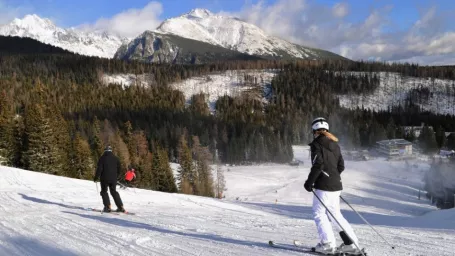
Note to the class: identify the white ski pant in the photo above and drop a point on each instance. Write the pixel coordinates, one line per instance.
(331, 199)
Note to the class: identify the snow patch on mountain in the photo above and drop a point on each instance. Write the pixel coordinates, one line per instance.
(95, 43)
(395, 88)
(231, 83)
(126, 80)
(215, 85)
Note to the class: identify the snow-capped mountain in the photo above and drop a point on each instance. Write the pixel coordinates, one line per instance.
(98, 43)
(235, 34)
(199, 26)
(156, 47)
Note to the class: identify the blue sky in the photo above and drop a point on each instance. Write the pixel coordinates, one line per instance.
(72, 13)
(420, 31)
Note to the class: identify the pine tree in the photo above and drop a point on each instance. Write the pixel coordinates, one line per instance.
(204, 180)
(441, 139)
(219, 182)
(391, 129)
(41, 153)
(6, 130)
(451, 141)
(130, 142)
(376, 133)
(410, 136)
(18, 141)
(145, 170)
(120, 149)
(97, 142)
(169, 185)
(427, 140)
(138, 148)
(186, 169)
(199, 105)
(62, 140)
(163, 177)
(82, 165)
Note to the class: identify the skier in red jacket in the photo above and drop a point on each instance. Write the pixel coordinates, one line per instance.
(130, 175)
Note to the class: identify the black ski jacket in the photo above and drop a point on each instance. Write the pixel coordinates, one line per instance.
(108, 169)
(328, 163)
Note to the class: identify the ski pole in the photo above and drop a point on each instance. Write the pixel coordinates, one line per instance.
(327, 209)
(393, 247)
(97, 191)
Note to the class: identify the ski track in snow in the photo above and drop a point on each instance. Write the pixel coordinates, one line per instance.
(45, 215)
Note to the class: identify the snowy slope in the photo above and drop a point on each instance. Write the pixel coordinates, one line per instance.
(234, 34)
(126, 80)
(231, 83)
(215, 85)
(395, 88)
(44, 214)
(95, 43)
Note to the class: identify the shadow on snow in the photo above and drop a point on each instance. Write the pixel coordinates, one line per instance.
(133, 224)
(26, 246)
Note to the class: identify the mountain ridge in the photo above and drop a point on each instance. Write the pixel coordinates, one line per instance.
(155, 47)
(94, 43)
(235, 34)
(231, 33)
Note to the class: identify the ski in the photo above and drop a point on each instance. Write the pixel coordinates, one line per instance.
(112, 212)
(292, 248)
(300, 247)
(299, 244)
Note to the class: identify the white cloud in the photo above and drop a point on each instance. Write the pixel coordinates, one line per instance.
(130, 23)
(427, 41)
(8, 13)
(340, 10)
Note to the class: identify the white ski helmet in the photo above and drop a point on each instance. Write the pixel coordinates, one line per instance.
(319, 123)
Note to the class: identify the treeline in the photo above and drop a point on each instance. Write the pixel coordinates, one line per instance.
(301, 93)
(407, 69)
(56, 116)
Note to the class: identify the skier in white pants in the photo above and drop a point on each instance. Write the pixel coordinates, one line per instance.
(325, 178)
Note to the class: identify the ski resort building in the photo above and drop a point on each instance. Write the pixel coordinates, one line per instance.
(394, 148)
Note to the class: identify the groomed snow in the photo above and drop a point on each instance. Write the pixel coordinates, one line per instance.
(44, 214)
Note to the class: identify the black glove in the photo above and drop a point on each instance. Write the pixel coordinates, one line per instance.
(95, 179)
(308, 186)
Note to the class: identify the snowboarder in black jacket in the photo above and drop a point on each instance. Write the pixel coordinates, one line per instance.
(108, 171)
(325, 178)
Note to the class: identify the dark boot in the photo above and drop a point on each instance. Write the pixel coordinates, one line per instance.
(107, 209)
(120, 209)
(345, 238)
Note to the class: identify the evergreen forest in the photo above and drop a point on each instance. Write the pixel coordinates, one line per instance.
(56, 116)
